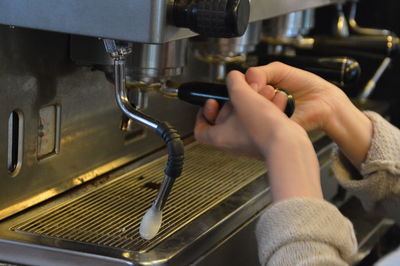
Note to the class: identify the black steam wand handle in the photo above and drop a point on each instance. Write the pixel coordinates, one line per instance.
(199, 92)
(342, 71)
(388, 45)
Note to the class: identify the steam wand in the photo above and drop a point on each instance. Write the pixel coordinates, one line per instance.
(152, 220)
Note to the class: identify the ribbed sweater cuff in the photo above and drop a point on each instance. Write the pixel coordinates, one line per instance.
(381, 168)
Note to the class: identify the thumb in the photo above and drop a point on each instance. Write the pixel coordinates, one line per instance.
(242, 96)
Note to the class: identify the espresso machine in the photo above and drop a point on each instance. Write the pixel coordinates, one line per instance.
(93, 135)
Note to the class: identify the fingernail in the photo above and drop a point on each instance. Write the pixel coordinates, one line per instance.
(254, 86)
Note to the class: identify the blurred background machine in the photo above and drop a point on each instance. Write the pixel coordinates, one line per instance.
(80, 168)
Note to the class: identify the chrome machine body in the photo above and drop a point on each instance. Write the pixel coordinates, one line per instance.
(144, 21)
(73, 185)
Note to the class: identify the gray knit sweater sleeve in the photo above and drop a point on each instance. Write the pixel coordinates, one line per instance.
(305, 231)
(313, 232)
(378, 185)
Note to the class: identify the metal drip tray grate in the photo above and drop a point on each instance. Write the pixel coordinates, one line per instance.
(110, 215)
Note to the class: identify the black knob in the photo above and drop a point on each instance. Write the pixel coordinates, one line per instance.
(212, 18)
(351, 70)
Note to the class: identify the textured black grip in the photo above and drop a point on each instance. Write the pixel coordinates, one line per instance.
(175, 148)
(212, 18)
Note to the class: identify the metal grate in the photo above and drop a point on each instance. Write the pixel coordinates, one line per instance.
(111, 214)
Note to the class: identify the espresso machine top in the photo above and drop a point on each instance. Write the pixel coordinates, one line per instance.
(151, 21)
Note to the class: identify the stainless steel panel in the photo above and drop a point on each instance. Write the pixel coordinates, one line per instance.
(130, 20)
(265, 9)
(35, 72)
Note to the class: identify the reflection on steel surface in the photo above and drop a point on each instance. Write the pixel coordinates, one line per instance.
(110, 215)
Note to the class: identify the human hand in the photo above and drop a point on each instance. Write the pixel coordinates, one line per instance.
(320, 105)
(254, 125)
(222, 128)
(316, 99)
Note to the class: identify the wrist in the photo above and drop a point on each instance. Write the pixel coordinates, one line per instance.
(340, 106)
(293, 167)
(351, 130)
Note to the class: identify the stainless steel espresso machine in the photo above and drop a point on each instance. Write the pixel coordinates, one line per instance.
(92, 137)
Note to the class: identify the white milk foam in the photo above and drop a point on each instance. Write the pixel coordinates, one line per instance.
(151, 223)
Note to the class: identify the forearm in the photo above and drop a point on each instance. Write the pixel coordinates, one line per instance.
(293, 168)
(351, 130)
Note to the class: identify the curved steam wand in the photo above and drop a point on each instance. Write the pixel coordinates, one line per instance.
(151, 221)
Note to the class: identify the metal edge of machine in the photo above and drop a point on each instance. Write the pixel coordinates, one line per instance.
(119, 19)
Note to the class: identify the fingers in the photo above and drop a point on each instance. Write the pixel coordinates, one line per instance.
(202, 128)
(246, 101)
(267, 91)
(238, 88)
(224, 113)
(280, 99)
(206, 118)
(255, 86)
(282, 76)
(211, 110)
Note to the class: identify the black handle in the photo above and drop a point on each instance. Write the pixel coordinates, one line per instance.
(388, 45)
(212, 18)
(342, 71)
(199, 92)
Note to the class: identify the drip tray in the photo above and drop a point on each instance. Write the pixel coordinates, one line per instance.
(109, 216)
